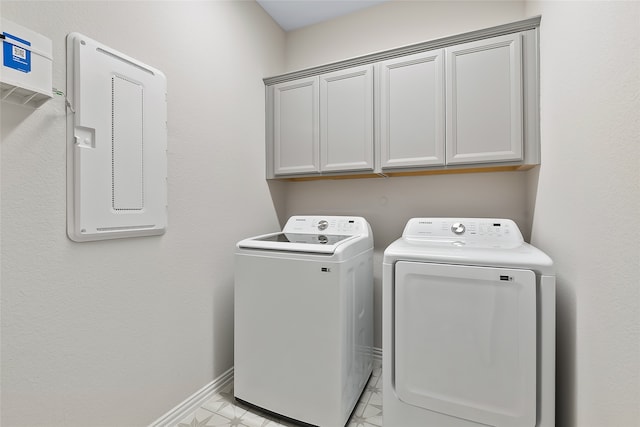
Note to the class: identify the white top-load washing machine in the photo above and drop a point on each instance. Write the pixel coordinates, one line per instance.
(468, 327)
(304, 318)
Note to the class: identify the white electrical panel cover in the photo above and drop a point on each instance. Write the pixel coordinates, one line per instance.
(117, 148)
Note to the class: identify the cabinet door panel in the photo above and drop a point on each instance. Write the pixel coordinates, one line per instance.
(346, 119)
(296, 128)
(412, 116)
(484, 101)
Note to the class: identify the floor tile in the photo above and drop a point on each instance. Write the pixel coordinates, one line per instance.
(203, 418)
(222, 410)
(251, 419)
(219, 402)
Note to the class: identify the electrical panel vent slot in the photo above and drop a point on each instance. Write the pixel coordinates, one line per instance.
(127, 144)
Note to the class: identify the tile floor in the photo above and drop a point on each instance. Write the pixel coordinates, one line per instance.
(222, 409)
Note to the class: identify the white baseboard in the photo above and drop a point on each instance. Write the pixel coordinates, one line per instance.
(377, 355)
(194, 401)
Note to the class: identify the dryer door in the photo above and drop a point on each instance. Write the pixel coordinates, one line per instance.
(465, 341)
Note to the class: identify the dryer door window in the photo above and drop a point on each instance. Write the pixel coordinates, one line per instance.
(465, 341)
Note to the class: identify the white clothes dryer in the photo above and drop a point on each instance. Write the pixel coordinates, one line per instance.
(304, 318)
(468, 327)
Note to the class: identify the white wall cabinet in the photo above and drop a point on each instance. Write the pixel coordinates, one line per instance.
(411, 110)
(480, 84)
(296, 129)
(346, 120)
(484, 101)
(324, 123)
(471, 101)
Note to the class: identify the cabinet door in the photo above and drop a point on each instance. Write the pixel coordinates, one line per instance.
(484, 101)
(412, 116)
(295, 127)
(346, 119)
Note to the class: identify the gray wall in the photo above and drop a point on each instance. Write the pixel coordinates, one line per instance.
(587, 191)
(116, 333)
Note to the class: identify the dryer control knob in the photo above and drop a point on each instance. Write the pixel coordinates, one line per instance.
(458, 228)
(323, 224)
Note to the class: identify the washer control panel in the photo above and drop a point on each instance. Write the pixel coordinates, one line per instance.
(463, 230)
(458, 228)
(328, 225)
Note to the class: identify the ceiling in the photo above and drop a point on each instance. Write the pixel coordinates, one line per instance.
(294, 14)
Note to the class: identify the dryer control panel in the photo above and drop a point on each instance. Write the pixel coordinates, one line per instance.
(337, 225)
(463, 230)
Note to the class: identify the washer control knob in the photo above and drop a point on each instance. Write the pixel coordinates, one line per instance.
(458, 228)
(323, 224)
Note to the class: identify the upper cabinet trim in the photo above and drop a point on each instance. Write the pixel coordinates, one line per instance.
(513, 27)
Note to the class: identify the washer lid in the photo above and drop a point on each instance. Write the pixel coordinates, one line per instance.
(296, 242)
(314, 234)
